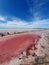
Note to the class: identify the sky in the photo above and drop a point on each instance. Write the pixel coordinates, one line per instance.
(24, 14)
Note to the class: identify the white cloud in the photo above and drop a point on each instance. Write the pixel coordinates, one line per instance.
(2, 18)
(18, 23)
(40, 23)
(44, 21)
(15, 23)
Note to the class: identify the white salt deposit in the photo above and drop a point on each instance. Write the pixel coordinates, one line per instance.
(24, 53)
(15, 61)
(31, 52)
(43, 45)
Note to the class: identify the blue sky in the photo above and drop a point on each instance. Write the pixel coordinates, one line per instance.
(24, 13)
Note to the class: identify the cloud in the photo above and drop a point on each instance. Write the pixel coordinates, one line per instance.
(40, 24)
(14, 23)
(19, 23)
(2, 18)
(44, 21)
